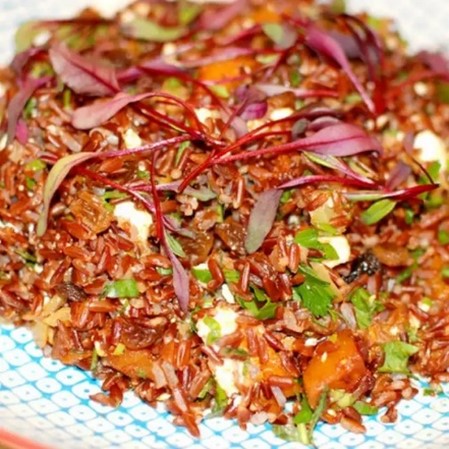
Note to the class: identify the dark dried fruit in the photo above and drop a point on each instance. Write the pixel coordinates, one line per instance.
(367, 263)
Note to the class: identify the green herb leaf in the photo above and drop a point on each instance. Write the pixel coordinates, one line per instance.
(308, 238)
(164, 271)
(94, 360)
(305, 414)
(202, 274)
(377, 211)
(215, 329)
(231, 276)
(365, 306)
(221, 400)
(318, 412)
(182, 147)
(220, 90)
(274, 31)
(119, 349)
(366, 409)
(35, 165)
(30, 183)
(261, 312)
(290, 432)
(188, 12)
(442, 92)
(315, 294)
(29, 258)
(25, 35)
(397, 354)
(122, 288)
(148, 30)
(174, 245)
(409, 216)
(443, 237)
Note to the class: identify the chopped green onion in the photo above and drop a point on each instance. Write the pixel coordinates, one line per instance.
(274, 31)
(231, 276)
(35, 165)
(164, 271)
(119, 349)
(122, 288)
(30, 183)
(377, 211)
(443, 237)
(214, 329)
(182, 147)
(202, 274)
(366, 409)
(220, 90)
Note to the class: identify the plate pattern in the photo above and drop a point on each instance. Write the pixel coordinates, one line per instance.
(46, 402)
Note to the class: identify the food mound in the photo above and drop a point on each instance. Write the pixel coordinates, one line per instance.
(236, 209)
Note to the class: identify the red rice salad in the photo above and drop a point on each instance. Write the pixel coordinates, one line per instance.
(237, 210)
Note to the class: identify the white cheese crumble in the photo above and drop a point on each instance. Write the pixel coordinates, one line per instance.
(137, 221)
(431, 147)
(342, 248)
(204, 113)
(225, 317)
(227, 294)
(131, 139)
(323, 214)
(279, 114)
(228, 374)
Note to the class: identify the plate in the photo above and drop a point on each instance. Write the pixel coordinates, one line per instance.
(44, 404)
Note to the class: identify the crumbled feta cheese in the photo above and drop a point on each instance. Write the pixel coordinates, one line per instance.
(42, 38)
(99, 349)
(227, 374)
(420, 89)
(323, 214)
(394, 330)
(342, 248)
(225, 317)
(139, 221)
(131, 139)
(432, 148)
(227, 294)
(311, 342)
(227, 320)
(279, 114)
(168, 49)
(204, 113)
(3, 141)
(424, 306)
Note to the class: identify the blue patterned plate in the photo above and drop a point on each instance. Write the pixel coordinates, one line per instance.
(48, 404)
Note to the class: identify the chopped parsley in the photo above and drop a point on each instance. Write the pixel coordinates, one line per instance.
(261, 306)
(122, 288)
(308, 238)
(314, 294)
(365, 306)
(397, 354)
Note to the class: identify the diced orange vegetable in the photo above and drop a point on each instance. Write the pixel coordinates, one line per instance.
(221, 70)
(265, 14)
(132, 363)
(336, 365)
